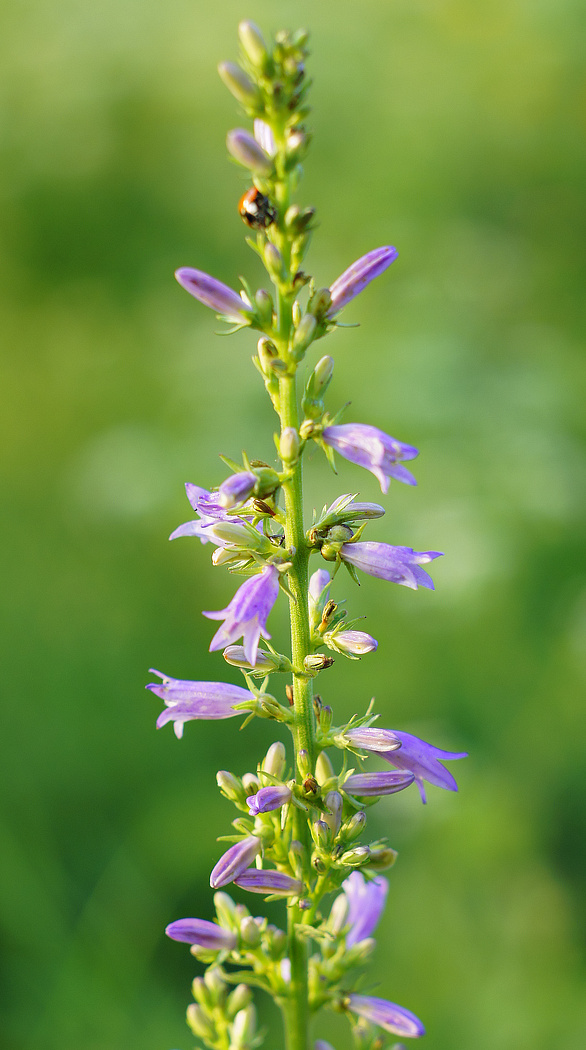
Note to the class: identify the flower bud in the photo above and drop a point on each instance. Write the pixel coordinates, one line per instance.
(243, 1029)
(277, 941)
(246, 150)
(317, 662)
(273, 260)
(304, 335)
(216, 986)
(303, 763)
(264, 307)
(355, 858)
(199, 1023)
(267, 480)
(225, 909)
(325, 718)
(236, 489)
(235, 655)
(338, 916)
(251, 783)
(334, 804)
(351, 643)
(239, 999)
(230, 786)
(382, 858)
(289, 446)
(253, 44)
(323, 767)
(320, 303)
(250, 932)
(321, 834)
(275, 760)
(353, 828)
(240, 86)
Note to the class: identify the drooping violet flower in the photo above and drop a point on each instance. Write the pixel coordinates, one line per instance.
(261, 881)
(423, 760)
(211, 292)
(247, 613)
(263, 134)
(234, 861)
(203, 933)
(353, 281)
(372, 785)
(389, 1016)
(318, 581)
(268, 798)
(371, 448)
(246, 150)
(373, 739)
(395, 564)
(187, 701)
(353, 643)
(366, 901)
(236, 489)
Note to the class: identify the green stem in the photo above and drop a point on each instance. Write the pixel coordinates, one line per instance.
(296, 1006)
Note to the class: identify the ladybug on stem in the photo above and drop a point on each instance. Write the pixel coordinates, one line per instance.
(256, 210)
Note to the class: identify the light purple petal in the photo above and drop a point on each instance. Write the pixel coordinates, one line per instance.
(234, 861)
(373, 739)
(350, 283)
(268, 798)
(366, 901)
(187, 701)
(246, 615)
(264, 136)
(389, 1016)
(203, 933)
(213, 293)
(367, 785)
(424, 761)
(317, 582)
(261, 881)
(371, 448)
(395, 564)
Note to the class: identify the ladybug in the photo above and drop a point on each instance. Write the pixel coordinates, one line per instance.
(256, 210)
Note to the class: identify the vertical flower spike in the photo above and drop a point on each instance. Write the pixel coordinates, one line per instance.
(355, 279)
(246, 615)
(371, 448)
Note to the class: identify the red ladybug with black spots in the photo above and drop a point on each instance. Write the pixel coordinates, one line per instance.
(256, 210)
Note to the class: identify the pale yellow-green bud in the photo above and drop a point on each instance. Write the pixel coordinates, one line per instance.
(199, 1023)
(289, 446)
(324, 769)
(250, 933)
(275, 760)
(253, 44)
(240, 86)
(304, 335)
(239, 999)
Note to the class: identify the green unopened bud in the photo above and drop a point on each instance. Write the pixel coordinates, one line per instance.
(324, 769)
(233, 533)
(359, 953)
(264, 308)
(246, 150)
(334, 805)
(339, 534)
(275, 760)
(225, 909)
(353, 828)
(320, 303)
(201, 993)
(239, 999)
(250, 933)
(236, 657)
(317, 662)
(253, 44)
(273, 260)
(383, 858)
(304, 335)
(240, 85)
(216, 986)
(243, 1029)
(289, 446)
(321, 834)
(267, 481)
(199, 1024)
(355, 858)
(251, 784)
(303, 763)
(230, 786)
(277, 941)
(325, 718)
(322, 375)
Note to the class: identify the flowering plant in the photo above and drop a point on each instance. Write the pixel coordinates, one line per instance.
(299, 832)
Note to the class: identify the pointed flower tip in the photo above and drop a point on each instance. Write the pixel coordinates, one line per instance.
(213, 293)
(355, 279)
(388, 1016)
(202, 933)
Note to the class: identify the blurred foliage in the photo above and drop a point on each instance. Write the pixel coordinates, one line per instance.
(455, 131)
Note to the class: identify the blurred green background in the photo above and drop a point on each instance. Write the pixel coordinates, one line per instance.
(455, 130)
